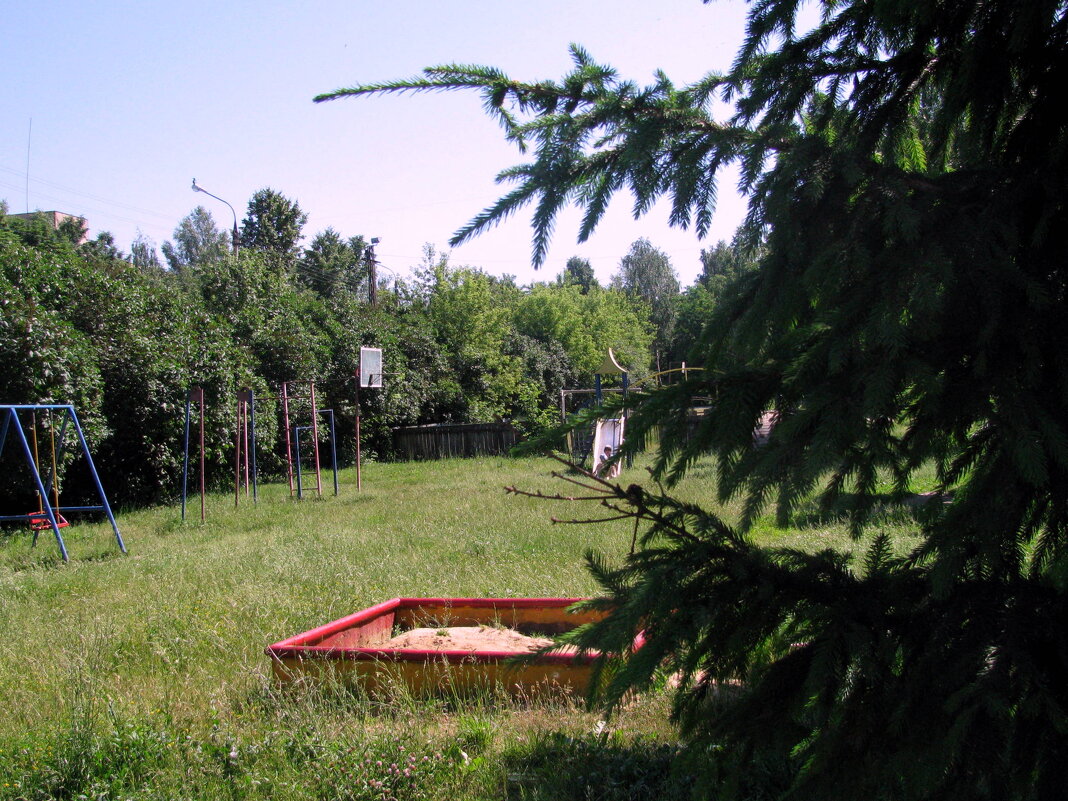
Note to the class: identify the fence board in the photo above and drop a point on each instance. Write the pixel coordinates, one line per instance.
(454, 440)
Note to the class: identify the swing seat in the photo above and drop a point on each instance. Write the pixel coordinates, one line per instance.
(39, 521)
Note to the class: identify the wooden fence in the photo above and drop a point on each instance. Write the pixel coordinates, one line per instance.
(446, 440)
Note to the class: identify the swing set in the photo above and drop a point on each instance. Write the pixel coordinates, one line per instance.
(49, 513)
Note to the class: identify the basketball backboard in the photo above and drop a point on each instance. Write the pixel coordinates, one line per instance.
(370, 367)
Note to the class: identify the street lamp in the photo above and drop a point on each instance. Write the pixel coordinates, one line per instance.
(209, 194)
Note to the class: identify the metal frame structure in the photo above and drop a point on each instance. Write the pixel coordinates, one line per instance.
(51, 510)
(333, 452)
(286, 398)
(195, 395)
(246, 473)
(245, 447)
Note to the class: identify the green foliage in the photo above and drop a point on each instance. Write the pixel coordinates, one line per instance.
(558, 766)
(904, 164)
(143, 253)
(646, 273)
(273, 224)
(331, 265)
(120, 346)
(102, 249)
(579, 271)
(586, 325)
(722, 268)
(197, 241)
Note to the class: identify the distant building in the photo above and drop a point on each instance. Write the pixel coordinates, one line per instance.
(53, 218)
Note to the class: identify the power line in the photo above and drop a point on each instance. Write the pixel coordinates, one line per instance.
(90, 195)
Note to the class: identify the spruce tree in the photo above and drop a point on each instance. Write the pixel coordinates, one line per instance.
(906, 166)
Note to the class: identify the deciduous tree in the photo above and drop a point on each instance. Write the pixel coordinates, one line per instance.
(579, 272)
(197, 241)
(273, 224)
(646, 273)
(143, 253)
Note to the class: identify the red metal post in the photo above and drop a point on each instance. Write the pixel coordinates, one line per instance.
(203, 493)
(289, 447)
(359, 482)
(237, 456)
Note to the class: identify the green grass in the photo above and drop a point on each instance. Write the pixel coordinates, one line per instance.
(144, 676)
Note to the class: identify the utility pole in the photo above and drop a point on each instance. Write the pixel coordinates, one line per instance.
(372, 273)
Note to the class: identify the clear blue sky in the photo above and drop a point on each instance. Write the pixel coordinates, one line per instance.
(130, 101)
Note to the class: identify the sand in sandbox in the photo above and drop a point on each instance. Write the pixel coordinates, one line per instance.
(470, 638)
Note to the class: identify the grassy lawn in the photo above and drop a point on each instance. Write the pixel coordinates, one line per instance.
(144, 676)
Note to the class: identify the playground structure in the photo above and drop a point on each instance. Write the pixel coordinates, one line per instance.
(49, 513)
(193, 396)
(293, 431)
(246, 470)
(607, 439)
(246, 420)
(605, 433)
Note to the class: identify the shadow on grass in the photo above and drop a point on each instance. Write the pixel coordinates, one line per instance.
(887, 508)
(561, 767)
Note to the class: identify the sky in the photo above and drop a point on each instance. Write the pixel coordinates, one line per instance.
(111, 109)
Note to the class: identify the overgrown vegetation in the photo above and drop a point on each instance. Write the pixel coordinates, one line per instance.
(144, 676)
(124, 342)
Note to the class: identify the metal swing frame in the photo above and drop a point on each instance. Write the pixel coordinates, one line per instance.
(10, 419)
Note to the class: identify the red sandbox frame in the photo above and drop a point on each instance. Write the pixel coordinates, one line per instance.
(356, 645)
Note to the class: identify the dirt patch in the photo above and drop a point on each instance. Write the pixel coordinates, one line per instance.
(470, 638)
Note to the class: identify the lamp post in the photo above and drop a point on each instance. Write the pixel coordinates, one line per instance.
(209, 194)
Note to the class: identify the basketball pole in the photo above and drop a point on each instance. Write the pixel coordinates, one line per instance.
(359, 481)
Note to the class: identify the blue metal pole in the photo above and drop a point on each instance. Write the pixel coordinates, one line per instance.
(333, 448)
(96, 479)
(296, 445)
(3, 431)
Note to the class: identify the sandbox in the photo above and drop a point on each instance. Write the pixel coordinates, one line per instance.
(433, 644)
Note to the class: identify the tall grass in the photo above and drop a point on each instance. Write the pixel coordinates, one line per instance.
(144, 676)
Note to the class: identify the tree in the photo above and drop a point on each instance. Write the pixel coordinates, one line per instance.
(905, 167)
(586, 325)
(722, 267)
(332, 264)
(273, 224)
(197, 241)
(102, 248)
(143, 253)
(646, 273)
(725, 263)
(579, 272)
